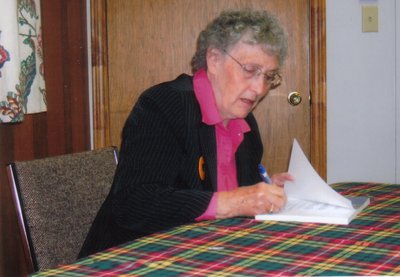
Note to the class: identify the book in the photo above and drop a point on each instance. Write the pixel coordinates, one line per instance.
(311, 199)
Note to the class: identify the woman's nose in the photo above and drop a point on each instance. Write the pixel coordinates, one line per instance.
(259, 85)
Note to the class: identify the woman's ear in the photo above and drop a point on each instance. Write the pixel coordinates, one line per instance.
(214, 58)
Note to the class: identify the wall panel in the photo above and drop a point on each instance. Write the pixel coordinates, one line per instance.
(361, 78)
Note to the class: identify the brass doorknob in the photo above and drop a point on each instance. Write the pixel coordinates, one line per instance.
(294, 98)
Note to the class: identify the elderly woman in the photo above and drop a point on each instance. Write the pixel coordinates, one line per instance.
(191, 147)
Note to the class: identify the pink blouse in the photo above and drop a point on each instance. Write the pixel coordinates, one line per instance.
(228, 140)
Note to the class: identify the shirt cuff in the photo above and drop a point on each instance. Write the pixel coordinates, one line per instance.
(211, 211)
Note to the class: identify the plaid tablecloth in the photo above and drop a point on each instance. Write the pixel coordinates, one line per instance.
(370, 245)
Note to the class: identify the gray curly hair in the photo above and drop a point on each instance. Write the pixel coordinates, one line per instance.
(260, 27)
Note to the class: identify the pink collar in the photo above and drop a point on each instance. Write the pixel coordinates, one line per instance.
(205, 95)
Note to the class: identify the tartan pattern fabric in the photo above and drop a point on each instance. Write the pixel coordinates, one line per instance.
(369, 245)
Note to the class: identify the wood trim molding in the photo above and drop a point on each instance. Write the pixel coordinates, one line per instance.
(318, 86)
(101, 110)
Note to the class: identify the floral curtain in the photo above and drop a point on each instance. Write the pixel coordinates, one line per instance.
(22, 86)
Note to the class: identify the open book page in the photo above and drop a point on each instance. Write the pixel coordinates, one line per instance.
(308, 185)
(311, 199)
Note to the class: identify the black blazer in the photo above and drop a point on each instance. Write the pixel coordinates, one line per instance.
(157, 183)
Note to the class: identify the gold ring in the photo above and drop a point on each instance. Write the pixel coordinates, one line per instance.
(271, 210)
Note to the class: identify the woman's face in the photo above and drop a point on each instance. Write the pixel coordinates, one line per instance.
(236, 93)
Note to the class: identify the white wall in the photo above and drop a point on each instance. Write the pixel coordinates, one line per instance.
(397, 92)
(361, 93)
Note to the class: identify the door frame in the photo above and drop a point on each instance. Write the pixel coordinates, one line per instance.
(317, 47)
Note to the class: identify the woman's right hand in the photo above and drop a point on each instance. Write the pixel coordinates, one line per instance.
(251, 200)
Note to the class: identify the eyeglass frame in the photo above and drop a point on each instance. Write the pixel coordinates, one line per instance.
(268, 79)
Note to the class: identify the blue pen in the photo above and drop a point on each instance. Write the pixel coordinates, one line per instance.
(264, 174)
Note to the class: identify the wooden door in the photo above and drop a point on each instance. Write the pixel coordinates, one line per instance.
(151, 41)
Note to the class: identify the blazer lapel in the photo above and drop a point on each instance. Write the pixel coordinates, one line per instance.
(209, 150)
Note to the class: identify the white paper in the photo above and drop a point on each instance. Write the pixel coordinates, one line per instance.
(308, 185)
(307, 211)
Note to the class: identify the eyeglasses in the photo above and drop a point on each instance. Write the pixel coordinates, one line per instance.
(272, 79)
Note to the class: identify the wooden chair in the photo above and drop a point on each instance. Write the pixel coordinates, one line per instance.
(56, 199)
